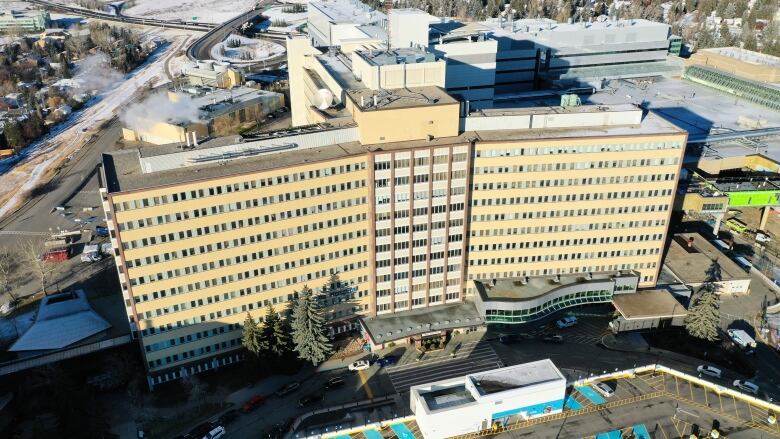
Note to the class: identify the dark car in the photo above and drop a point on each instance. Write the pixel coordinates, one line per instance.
(202, 429)
(553, 338)
(253, 403)
(334, 382)
(387, 360)
(228, 417)
(508, 338)
(310, 399)
(292, 387)
(101, 231)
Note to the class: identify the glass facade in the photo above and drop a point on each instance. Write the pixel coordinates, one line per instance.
(537, 312)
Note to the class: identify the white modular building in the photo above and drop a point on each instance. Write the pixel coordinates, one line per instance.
(477, 401)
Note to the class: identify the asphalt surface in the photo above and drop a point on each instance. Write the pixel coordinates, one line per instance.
(201, 48)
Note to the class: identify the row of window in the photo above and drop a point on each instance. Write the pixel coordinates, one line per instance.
(573, 166)
(514, 245)
(237, 224)
(571, 197)
(238, 205)
(422, 272)
(418, 258)
(208, 248)
(165, 344)
(237, 187)
(403, 304)
(547, 150)
(570, 213)
(548, 307)
(153, 330)
(568, 228)
(233, 343)
(417, 243)
(419, 161)
(403, 288)
(574, 256)
(573, 182)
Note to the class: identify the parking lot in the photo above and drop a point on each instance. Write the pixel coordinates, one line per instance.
(657, 405)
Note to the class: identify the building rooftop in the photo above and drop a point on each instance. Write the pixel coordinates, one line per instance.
(373, 100)
(747, 56)
(396, 56)
(387, 327)
(647, 304)
(690, 263)
(518, 289)
(215, 100)
(63, 319)
(552, 31)
(348, 11)
(516, 377)
(447, 397)
(174, 165)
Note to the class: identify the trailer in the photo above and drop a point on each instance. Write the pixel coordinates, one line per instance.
(742, 338)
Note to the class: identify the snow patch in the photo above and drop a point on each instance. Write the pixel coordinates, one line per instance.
(249, 50)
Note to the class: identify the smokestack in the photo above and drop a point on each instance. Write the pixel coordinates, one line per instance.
(375, 100)
(690, 242)
(187, 137)
(194, 138)
(362, 102)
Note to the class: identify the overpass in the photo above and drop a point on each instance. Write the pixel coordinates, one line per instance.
(170, 24)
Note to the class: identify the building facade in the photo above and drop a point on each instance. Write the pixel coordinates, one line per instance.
(25, 21)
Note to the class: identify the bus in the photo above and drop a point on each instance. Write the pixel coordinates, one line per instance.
(736, 225)
(744, 263)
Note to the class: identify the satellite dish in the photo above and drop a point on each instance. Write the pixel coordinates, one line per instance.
(324, 99)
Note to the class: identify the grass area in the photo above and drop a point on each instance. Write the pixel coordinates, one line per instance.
(184, 420)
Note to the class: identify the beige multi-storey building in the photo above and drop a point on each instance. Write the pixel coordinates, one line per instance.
(417, 206)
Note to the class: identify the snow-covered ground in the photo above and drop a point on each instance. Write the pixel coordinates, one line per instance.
(258, 50)
(277, 13)
(25, 171)
(207, 11)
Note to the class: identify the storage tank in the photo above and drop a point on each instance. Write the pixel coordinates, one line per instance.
(323, 99)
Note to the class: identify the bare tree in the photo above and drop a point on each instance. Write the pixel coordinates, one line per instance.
(7, 262)
(33, 253)
(195, 390)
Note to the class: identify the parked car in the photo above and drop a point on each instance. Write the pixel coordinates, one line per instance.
(553, 338)
(709, 370)
(310, 399)
(202, 430)
(359, 365)
(215, 433)
(101, 231)
(566, 322)
(253, 403)
(227, 417)
(604, 389)
(387, 360)
(334, 383)
(508, 338)
(286, 390)
(746, 386)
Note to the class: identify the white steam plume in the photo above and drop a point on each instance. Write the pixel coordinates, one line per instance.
(158, 108)
(95, 74)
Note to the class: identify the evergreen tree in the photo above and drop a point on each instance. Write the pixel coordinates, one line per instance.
(749, 41)
(703, 316)
(279, 337)
(308, 329)
(725, 35)
(250, 340)
(12, 132)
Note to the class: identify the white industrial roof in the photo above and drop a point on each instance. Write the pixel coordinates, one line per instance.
(63, 319)
(515, 377)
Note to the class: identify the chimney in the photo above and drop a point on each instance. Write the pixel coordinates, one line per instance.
(362, 101)
(187, 136)
(194, 138)
(375, 100)
(690, 242)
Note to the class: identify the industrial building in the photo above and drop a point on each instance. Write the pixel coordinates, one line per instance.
(221, 113)
(493, 60)
(210, 73)
(480, 401)
(27, 20)
(689, 258)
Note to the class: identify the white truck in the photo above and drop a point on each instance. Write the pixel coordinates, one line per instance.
(91, 253)
(742, 338)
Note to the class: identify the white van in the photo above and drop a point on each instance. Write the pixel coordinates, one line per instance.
(604, 389)
(709, 370)
(746, 386)
(216, 433)
(742, 338)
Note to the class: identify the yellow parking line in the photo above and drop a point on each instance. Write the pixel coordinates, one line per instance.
(735, 406)
(663, 431)
(364, 384)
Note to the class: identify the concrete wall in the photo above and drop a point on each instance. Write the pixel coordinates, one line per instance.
(398, 75)
(745, 69)
(297, 51)
(400, 124)
(408, 28)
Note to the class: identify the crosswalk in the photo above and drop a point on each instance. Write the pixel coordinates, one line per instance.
(476, 357)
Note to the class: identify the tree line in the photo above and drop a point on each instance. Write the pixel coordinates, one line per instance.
(301, 333)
